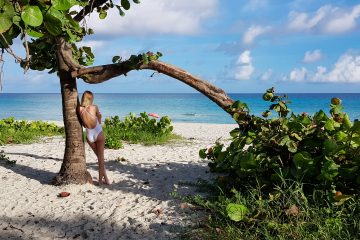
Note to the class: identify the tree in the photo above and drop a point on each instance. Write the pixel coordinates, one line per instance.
(53, 27)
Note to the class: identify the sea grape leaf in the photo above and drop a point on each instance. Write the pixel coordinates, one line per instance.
(340, 136)
(329, 171)
(125, 4)
(53, 25)
(235, 132)
(247, 161)
(236, 212)
(6, 17)
(291, 146)
(284, 140)
(329, 125)
(32, 16)
(33, 33)
(63, 4)
(302, 160)
(202, 153)
(330, 146)
(356, 127)
(5, 22)
(102, 14)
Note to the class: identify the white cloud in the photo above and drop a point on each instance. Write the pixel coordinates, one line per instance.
(327, 19)
(312, 56)
(344, 22)
(346, 69)
(298, 74)
(253, 32)
(93, 44)
(254, 5)
(266, 75)
(244, 67)
(183, 17)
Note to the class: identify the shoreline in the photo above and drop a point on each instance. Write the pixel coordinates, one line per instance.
(140, 203)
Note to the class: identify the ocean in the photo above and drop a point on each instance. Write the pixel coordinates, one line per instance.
(179, 107)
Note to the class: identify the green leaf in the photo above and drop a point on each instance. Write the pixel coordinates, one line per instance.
(337, 109)
(63, 4)
(125, 4)
(102, 14)
(247, 161)
(136, 1)
(295, 135)
(356, 127)
(6, 17)
(32, 16)
(53, 25)
(5, 22)
(320, 115)
(202, 153)
(116, 59)
(341, 199)
(346, 122)
(33, 33)
(284, 140)
(236, 212)
(330, 146)
(329, 125)
(121, 12)
(291, 146)
(340, 136)
(302, 160)
(329, 171)
(235, 132)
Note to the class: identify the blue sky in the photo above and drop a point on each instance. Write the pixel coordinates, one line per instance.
(242, 46)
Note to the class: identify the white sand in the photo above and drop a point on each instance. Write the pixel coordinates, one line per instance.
(137, 204)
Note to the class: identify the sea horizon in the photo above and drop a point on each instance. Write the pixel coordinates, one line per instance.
(180, 107)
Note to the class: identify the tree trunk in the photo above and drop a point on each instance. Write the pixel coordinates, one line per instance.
(73, 168)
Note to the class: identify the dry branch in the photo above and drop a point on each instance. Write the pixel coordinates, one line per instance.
(103, 73)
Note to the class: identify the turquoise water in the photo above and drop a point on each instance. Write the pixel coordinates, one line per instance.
(179, 107)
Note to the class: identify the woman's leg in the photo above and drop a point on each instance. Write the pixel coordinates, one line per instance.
(100, 146)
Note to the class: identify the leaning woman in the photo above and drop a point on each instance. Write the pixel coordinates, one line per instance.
(91, 118)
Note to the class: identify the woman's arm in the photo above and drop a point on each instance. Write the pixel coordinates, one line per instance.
(98, 114)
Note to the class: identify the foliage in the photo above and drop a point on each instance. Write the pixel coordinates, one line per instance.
(6, 160)
(137, 129)
(13, 131)
(287, 212)
(46, 20)
(316, 149)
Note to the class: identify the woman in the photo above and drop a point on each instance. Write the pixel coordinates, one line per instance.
(91, 119)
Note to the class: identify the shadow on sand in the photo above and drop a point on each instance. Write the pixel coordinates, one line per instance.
(84, 227)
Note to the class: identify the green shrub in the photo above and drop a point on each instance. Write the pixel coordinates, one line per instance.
(318, 149)
(287, 212)
(137, 129)
(14, 131)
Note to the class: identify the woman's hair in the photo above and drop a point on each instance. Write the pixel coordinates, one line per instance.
(87, 98)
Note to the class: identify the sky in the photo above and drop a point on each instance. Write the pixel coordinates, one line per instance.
(241, 46)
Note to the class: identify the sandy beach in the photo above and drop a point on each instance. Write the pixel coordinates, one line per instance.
(139, 203)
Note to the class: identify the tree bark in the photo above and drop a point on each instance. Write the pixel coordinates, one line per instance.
(73, 168)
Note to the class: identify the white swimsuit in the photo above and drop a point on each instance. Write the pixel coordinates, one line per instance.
(92, 134)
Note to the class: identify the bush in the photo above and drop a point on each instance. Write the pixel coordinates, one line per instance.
(137, 129)
(318, 149)
(13, 131)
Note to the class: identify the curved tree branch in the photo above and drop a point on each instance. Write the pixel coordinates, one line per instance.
(93, 4)
(103, 73)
